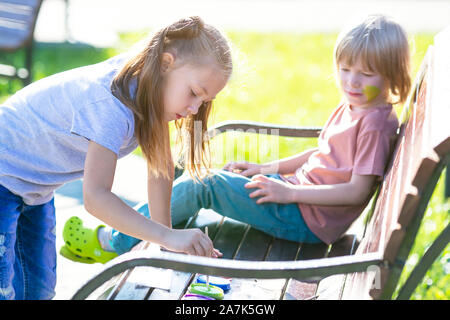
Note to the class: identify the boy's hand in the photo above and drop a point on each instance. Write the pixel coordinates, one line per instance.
(270, 190)
(245, 168)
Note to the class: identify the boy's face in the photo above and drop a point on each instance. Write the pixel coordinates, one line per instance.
(187, 87)
(362, 88)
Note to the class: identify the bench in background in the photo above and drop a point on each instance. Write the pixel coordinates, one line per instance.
(17, 24)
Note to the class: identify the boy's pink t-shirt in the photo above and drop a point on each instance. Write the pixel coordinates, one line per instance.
(351, 142)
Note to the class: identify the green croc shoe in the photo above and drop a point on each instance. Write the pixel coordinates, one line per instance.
(65, 252)
(81, 244)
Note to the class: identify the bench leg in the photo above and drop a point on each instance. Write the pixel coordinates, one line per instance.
(28, 64)
(424, 264)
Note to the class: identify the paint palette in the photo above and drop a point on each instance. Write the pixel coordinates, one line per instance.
(222, 283)
(204, 290)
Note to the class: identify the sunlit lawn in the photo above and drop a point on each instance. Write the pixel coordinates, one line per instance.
(278, 78)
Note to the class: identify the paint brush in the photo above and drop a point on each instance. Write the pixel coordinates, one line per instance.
(207, 276)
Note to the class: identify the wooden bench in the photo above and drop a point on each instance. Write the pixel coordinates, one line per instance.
(17, 24)
(365, 266)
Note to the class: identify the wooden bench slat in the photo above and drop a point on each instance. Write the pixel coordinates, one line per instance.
(282, 250)
(229, 237)
(312, 251)
(132, 291)
(344, 246)
(207, 218)
(180, 280)
(254, 245)
(255, 289)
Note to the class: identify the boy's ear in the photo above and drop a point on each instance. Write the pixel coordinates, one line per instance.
(167, 62)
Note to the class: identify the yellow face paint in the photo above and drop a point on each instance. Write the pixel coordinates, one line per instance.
(371, 92)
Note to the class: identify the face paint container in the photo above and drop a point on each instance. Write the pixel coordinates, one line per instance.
(192, 296)
(202, 289)
(223, 283)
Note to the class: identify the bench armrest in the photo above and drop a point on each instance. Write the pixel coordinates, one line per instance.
(301, 269)
(264, 128)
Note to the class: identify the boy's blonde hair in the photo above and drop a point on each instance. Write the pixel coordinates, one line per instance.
(191, 41)
(382, 46)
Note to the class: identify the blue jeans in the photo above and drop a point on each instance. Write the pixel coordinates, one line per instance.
(27, 249)
(224, 192)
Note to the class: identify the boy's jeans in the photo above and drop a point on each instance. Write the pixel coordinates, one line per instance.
(27, 249)
(224, 192)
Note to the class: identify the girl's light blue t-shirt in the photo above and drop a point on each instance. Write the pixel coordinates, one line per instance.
(45, 129)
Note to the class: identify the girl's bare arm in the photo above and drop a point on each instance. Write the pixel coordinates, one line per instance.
(100, 166)
(159, 194)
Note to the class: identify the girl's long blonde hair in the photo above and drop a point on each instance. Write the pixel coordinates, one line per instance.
(382, 45)
(191, 41)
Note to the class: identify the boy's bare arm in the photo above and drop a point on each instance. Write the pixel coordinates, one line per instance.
(290, 164)
(352, 193)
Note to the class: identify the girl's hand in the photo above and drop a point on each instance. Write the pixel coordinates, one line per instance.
(244, 168)
(270, 190)
(190, 241)
(216, 253)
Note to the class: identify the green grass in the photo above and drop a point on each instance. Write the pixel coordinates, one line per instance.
(278, 78)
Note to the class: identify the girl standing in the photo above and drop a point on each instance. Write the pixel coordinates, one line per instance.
(76, 124)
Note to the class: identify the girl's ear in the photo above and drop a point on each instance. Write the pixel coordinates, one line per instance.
(167, 62)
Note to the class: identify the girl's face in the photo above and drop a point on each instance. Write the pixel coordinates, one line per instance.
(362, 88)
(187, 87)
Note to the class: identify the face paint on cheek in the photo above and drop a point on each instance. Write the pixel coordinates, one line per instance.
(371, 92)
